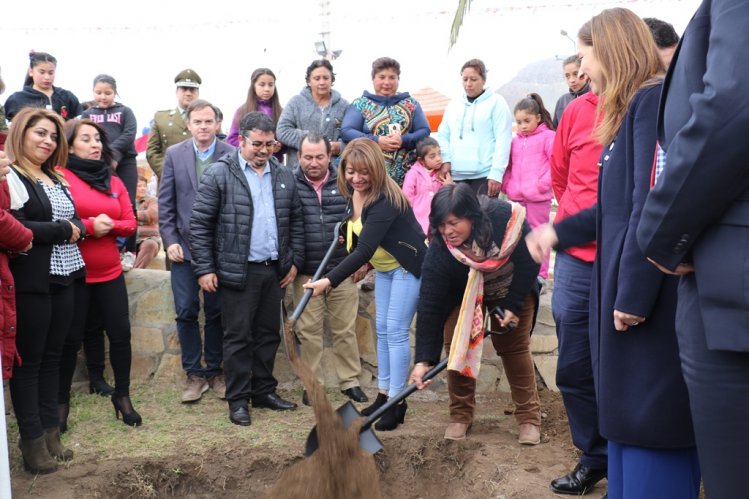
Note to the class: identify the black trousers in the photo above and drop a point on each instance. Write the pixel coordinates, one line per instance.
(252, 322)
(99, 304)
(127, 170)
(43, 320)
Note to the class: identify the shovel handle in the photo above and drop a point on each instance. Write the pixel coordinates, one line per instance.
(403, 394)
(308, 293)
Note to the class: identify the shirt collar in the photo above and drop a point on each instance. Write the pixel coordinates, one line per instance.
(208, 152)
(245, 166)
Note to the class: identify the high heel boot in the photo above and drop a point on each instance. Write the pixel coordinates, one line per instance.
(392, 418)
(36, 458)
(62, 414)
(123, 405)
(97, 384)
(54, 445)
(379, 402)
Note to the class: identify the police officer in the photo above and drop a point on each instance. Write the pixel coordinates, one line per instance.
(170, 126)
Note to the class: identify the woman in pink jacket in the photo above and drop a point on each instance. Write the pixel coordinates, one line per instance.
(527, 179)
(423, 180)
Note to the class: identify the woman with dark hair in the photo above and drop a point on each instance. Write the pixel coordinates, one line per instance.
(44, 278)
(103, 203)
(477, 263)
(476, 133)
(261, 96)
(317, 109)
(392, 119)
(643, 405)
(381, 229)
(39, 90)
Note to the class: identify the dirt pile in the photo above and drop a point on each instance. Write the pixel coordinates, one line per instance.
(339, 468)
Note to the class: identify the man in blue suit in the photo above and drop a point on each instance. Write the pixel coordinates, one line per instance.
(183, 165)
(696, 223)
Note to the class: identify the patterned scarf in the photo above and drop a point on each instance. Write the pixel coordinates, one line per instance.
(468, 337)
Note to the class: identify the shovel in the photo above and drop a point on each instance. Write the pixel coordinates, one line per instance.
(308, 293)
(368, 441)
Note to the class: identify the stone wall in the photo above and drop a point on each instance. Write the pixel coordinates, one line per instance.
(156, 352)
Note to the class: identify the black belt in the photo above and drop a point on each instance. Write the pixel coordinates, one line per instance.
(266, 263)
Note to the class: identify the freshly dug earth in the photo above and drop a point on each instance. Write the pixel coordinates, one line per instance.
(192, 451)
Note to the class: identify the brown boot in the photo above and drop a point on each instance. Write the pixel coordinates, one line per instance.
(54, 445)
(36, 458)
(195, 387)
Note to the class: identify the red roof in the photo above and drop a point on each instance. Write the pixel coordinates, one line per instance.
(433, 104)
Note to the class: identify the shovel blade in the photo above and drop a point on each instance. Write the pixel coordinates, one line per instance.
(368, 441)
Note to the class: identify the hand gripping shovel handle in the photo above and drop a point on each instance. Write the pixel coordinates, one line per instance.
(308, 293)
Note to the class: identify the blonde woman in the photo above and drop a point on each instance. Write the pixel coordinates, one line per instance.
(381, 229)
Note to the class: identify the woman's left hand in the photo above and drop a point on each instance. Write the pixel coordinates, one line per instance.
(623, 320)
(510, 318)
(318, 287)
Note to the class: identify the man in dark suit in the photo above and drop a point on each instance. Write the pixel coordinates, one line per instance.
(183, 166)
(696, 223)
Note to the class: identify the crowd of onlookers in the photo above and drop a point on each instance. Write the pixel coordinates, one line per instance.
(451, 227)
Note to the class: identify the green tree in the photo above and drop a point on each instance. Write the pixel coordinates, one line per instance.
(463, 7)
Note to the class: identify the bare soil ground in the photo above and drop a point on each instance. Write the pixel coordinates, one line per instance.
(192, 451)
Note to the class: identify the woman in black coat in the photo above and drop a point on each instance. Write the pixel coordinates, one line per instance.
(44, 281)
(643, 404)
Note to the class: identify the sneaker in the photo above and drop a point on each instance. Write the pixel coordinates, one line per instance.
(195, 387)
(127, 259)
(217, 384)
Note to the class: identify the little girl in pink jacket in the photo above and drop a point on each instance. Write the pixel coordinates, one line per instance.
(527, 179)
(423, 180)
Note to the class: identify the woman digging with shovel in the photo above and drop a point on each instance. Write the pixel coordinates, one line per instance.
(477, 276)
(380, 228)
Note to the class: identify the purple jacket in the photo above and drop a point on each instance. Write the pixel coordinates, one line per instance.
(528, 176)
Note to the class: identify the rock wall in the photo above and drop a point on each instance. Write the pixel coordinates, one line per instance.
(156, 353)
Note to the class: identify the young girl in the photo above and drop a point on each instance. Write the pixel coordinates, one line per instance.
(261, 96)
(39, 90)
(527, 179)
(423, 180)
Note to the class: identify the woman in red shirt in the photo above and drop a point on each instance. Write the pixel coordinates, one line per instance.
(105, 209)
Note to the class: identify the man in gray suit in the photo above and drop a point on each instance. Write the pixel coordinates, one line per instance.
(183, 165)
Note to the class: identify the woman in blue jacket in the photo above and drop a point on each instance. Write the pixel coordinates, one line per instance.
(476, 133)
(394, 120)
(643, 405)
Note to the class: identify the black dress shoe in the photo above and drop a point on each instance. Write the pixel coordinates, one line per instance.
(272, 401)
(578, 482)
(356, 394)
(240, 415)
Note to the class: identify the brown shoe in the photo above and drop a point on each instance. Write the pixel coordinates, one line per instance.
(529, 434)
(456, 431)
(195, 387)
(218, 386)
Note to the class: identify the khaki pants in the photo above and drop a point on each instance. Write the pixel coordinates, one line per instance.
(342, 304)
(514, 349)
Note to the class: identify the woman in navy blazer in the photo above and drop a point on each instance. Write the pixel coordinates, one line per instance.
(642, 398)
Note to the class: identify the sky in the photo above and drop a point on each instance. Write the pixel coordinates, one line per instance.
(145, 43)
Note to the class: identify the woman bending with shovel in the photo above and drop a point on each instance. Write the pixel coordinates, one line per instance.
(478, 277)
(380, 228)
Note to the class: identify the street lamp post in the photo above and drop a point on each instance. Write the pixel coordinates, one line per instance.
(567, 36)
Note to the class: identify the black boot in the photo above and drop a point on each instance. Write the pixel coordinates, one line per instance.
(123, 405)
(62, 414)
(97, 384)
(54, 445)
(392, 418)
(379, 402)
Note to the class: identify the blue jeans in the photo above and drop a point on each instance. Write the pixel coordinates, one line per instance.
(569, 304)
(187, 305)
(396, 296)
